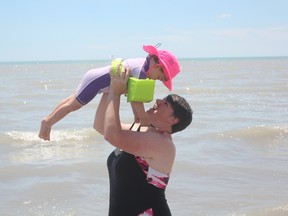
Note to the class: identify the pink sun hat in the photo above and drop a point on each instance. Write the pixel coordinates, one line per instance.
(168, 62)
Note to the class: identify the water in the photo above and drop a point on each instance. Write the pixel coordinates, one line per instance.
(232, 160)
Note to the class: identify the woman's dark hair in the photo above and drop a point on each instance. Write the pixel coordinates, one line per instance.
(182, 111)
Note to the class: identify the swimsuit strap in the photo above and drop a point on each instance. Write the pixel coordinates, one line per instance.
(137, 125)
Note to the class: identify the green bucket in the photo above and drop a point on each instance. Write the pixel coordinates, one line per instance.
(140, 90)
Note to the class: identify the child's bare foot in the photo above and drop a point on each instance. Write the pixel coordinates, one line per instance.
(45, 130)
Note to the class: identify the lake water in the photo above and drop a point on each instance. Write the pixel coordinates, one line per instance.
(231, 161)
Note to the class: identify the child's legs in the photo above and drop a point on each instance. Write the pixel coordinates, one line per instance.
(66, 106)
(66, 100)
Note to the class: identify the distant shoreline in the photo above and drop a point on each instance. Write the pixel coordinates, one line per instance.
(107, 60)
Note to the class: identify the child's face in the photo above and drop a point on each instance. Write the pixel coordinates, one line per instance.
(156, 73)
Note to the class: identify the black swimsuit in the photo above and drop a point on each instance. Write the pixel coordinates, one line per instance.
(131, 193)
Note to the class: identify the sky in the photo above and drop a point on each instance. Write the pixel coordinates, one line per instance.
(33, 30)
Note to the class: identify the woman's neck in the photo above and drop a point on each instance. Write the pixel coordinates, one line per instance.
(160, 130)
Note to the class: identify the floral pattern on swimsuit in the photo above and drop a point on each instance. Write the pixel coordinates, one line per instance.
(148, 212)
(153, 176)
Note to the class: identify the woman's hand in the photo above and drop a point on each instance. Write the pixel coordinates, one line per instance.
(119, 80)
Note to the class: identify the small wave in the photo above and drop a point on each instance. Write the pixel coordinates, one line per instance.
(57, 136)
(274, 211)
(272, 135)
(26, 147)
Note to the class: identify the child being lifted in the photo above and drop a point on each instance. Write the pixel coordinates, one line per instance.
(158, 65)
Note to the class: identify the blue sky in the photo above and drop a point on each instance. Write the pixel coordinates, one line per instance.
(91, 29)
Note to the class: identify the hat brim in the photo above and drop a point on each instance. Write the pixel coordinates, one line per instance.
(168, 84)
(151, 50)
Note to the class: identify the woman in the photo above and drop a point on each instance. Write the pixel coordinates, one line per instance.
(139, 172)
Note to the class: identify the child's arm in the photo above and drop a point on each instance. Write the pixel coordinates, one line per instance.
(136, 118)
(140, 114)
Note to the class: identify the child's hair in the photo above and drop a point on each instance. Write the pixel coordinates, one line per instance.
(154, 57)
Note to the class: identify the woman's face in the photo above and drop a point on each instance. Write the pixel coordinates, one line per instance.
(162, 108)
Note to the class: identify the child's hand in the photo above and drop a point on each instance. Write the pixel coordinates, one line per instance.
(144, 121)
(139, 114)
(136, 118)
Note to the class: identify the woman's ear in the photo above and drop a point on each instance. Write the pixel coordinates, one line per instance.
(173, 120)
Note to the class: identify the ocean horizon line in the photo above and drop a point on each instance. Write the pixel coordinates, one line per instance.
(59, 61)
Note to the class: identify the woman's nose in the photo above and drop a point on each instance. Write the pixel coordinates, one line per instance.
(159, 101)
